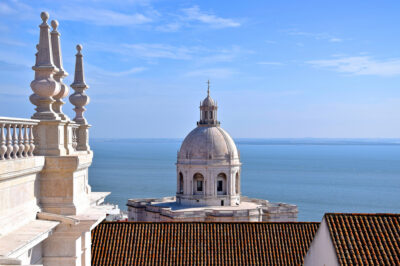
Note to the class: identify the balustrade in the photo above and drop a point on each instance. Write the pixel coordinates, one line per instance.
(75, 135)
(16, 138)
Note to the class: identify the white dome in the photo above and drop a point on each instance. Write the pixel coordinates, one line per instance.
(208, 101)
(207, 144)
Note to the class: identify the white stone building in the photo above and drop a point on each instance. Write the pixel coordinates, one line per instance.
(208, 181)
(47, 208)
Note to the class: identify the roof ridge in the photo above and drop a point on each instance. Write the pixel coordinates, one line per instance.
(204, 222)
(360, 214)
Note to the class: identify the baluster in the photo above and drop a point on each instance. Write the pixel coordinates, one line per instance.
(20, 142)
(9, 141)
(31, 141)
(3, 147)
(27, 146)
(15, 141)
(74, 144)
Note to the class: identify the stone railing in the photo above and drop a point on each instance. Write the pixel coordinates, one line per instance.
(75, 135)
(16, 138)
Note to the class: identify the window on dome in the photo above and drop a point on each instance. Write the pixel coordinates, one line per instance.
(237, 183)
(198, 181)
(199, 185)
(219, 185)
(211, 115)
(180, 183)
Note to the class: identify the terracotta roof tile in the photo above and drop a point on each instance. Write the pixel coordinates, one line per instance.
(369, 239)
(201, 243)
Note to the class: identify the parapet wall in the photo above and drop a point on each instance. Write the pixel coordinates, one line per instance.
(19, 191)
(167, 209)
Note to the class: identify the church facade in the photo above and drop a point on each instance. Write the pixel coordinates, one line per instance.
(208, 181)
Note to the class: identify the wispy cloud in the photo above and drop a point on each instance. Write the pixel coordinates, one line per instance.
(11, 42)
(170, 27)
(316, 36)
(6, 9)
(199, 55)
(195, 14)
(98, 76)
(12, 66)
(101, 17)
(133, 70)
(334, 39)
(15, 58)
(159, 51)
(360, 65)
(270, 63)
(212, 73)
(16, 9)
(229, 54)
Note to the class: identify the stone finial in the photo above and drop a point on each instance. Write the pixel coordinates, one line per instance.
(34, 98)
(44, 84)
(79, 98)
(61, 74)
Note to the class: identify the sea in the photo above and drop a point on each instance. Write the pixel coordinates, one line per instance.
(318, 175)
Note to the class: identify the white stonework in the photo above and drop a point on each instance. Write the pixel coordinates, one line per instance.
(44, 86)
(208, 171)
(249, 210)
(47, 208)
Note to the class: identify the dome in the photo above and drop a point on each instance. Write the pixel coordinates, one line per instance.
(208, 101)
(208, 143)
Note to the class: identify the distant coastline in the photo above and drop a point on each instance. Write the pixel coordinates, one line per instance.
(272, 141)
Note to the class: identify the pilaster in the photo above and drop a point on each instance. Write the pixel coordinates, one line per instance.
(64, 187)
(49, 136)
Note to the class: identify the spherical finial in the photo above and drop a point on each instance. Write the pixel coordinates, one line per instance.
(79, 48)
(54, 24)
(44, 16)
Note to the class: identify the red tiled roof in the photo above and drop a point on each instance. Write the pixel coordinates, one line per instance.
(201, 243)
(365, 239)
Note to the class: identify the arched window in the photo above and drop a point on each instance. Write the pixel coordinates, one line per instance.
(180, 183)
(221, 184)
(198, 184)
(211, 115)
(237, 185)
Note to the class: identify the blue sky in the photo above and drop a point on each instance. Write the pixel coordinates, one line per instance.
(278, 69)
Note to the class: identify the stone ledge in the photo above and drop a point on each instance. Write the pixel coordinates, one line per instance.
(97, 198)
(21, 166)
(25, 237)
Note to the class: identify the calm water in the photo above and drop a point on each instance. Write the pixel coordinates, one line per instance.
(318, 175)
